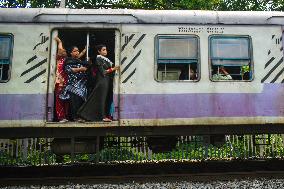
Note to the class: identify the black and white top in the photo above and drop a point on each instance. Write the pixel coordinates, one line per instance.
(103, 64)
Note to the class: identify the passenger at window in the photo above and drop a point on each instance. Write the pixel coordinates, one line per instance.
(185, 76)
(76, 88)
(97, 108)
(193, 75)
(222, 74)
(61, 106)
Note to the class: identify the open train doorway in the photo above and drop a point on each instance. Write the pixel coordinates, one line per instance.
(86, 42)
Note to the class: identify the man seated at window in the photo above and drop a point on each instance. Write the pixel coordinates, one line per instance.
(222, 74)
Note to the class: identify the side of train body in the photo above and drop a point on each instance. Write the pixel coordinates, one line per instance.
(150, 47)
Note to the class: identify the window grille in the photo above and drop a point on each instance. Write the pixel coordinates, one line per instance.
(177, 58)
(6, 44)
(232, 53)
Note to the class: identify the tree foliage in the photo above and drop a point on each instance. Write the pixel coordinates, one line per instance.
(243, 5)
(13, 3)
(169, 4)
(221, 5)
(90, 4)
(277, 5)
(43, 3)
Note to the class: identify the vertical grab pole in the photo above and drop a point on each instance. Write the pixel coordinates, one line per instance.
(87, 46)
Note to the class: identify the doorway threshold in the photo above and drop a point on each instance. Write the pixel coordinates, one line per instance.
(84, 124)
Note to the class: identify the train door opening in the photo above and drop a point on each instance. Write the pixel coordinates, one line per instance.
(86, 41)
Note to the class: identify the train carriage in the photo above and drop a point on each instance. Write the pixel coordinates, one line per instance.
(152, 48)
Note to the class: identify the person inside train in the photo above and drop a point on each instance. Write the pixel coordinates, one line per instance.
(222, 74)
(75, 89)
(61, 106)
(193, 75)
(186, 75)
(98, 106)
(91, 74)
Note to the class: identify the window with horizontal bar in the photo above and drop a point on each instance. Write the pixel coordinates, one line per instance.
(5, 57)
(231, 58)
(177, 58)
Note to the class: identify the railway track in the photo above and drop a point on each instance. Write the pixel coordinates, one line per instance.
(141, 172)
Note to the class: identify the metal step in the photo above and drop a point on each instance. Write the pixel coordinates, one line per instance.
(85, 124)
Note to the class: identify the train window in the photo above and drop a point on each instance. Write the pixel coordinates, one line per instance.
(230, 58)
(5, 57)
(177, 58)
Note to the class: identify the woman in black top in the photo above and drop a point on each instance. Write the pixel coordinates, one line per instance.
(98, 105)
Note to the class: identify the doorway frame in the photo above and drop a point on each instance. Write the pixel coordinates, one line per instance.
(50, 104)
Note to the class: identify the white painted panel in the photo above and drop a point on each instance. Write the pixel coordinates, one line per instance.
(145, 83)
(30, 59)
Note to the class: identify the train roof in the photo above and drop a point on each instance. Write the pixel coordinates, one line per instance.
(117, 16)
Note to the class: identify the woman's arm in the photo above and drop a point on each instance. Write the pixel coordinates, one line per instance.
(59, 43)
(81, 69)
(82, 53)
(102, 69)
(69, 69)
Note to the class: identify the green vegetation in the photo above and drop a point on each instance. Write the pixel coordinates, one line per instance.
(222, 5)
(38, 152)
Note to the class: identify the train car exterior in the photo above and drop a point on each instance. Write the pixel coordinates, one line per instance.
(151, 48)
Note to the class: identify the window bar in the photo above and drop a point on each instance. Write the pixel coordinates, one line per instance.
(1, 72)
(189, 71)
(241, 72)
(165, 72)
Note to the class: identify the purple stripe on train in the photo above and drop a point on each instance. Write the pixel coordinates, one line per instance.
(268, 103)
(151, 106)
(22, 106)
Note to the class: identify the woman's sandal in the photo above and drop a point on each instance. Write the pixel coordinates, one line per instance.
(107, 120)
(80, 120)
